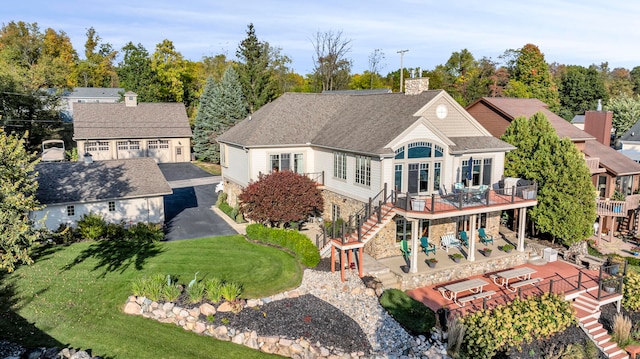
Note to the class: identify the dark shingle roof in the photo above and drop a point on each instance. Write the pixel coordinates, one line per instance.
(612, 160)
(515, 107)
(94, 92)
(331, 121)
(478, 144)
(632, 134)
(74, 182)
(116, 120)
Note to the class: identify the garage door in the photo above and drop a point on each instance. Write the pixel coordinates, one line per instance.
(159, 149)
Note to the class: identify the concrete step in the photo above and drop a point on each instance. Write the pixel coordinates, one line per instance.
(389, 280)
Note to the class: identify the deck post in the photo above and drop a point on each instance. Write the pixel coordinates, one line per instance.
(333, 258)
(433, 203)
(384, 190)
(579, 280)
(414, 245)
(521, 224)
(360, 261)
(342, 264)
(550, 285)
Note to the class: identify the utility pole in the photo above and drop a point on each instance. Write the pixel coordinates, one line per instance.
(401, 52)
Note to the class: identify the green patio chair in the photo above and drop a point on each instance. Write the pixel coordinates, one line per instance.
(427, 247)
(484, 238)
(464, 239)
(404, 247)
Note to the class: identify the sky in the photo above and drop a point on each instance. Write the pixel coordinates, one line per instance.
(581, 32)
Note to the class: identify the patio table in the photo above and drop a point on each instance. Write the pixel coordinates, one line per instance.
(473, 285)
(523, 273)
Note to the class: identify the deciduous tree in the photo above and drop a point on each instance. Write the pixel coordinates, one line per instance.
(331, 66)
(626, 112)
(280, 197)
(579, 89)
(566, 205)
(97, 69)
(17, 199)
(136, 73)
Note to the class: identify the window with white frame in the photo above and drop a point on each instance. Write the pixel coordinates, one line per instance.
(335, 212)
(478, 172)
(363, 170)
(71, 211)
(96, 146)
(112, 206)
(418, 167)
(283, 161)
(298, 164)
(158, 144)
(128, 145)
(340, 165)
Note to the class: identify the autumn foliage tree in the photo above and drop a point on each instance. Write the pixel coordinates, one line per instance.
(280, 197)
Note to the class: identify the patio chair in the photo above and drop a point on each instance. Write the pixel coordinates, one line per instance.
(404, 247)
(463, 238)
(484, 238)
(448, 241)
(457, 187)
(426, 246)
(479, 195)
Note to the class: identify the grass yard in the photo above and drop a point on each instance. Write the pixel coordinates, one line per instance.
(212, 168)
(73, 296)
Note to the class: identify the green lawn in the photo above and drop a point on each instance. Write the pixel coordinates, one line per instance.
(73, 296)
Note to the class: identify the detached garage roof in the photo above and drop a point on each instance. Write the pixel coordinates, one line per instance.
(76, 182)
(95, 121)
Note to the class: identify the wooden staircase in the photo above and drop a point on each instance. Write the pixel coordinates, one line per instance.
(588, 312)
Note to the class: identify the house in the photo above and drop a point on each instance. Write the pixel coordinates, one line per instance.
(611, 171)
(88, 95)
(110, 131)
(400, 151)
(630, 143)
(129, 190)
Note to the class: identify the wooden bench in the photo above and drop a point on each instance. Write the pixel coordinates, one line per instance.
(462, 301)
(522, 283)
(593, 262)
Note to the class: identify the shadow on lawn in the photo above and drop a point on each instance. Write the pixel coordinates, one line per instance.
(117, 255)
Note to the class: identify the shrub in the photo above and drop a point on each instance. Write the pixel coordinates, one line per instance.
(230, 291)
(195, 292)
(145, 232)
(298, 243)
(512, 324)
(115, 231)
(222, 198)
(412, 315)
(64, 235)
(92, 226)
(631, 291)
(212, 289)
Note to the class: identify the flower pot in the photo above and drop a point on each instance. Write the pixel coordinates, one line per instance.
(486, 254)
(431, 264)
(456, 259)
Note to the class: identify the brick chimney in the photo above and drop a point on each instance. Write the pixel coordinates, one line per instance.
(130, 99)
(416, 86)
(598, 124)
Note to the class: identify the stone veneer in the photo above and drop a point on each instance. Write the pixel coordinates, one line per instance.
(347, 205)
(460, 271)
(232, 190)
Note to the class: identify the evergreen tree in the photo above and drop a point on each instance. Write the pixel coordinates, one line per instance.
(222, 105)
(17, 199)
(254, 71)
(566, 205)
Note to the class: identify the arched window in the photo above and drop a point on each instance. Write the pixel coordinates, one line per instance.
(418, 168)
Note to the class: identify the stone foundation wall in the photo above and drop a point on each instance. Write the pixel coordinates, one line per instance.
(384, 243)
(232, 190)
(348, 206)
(460, 271)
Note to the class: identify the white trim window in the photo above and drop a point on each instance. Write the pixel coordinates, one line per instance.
(158, 144)
(418, 167)
(340, 165)
(480, 171)
(112, 206)
(96, 146)
(71, 211)
(363, 170)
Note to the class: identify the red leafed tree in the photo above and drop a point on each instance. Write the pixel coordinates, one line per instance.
(280, 197)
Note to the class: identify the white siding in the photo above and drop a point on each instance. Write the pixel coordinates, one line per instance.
(162, 155)
(348, 187)
(129, 211)
(419, 133)
(237, 165)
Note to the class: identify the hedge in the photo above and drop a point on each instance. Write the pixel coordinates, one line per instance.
(298, 243)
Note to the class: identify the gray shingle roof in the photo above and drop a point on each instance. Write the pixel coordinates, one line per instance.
(632, 134)
(358, 123)
(94, 92)
(478, 144)
(115, 120)
(74, 182)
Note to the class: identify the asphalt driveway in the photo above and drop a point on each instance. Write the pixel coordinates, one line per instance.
(188, 212)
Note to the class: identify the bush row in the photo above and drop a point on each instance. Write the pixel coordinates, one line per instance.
(93, 227)
(298, 243)
(515, 323)
(631, 291)
(232, 212)
(160, 287)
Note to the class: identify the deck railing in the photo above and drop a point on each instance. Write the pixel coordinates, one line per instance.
(609, 282)
(606, 207)
(465, 199)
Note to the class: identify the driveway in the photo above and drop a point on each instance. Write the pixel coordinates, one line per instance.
(187, 211)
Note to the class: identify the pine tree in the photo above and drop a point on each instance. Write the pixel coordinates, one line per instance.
(222, 105)
(566, 205)
(254, 71)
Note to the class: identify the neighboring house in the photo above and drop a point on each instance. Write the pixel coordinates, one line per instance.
(610, 170)
(129, 191)
(85, 95)
(578, 121)
(110, 131)
(405, 150)
(630, 143)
